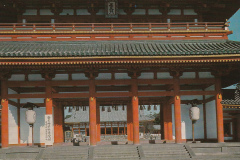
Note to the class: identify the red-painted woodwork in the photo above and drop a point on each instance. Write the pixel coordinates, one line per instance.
(4, 114)
(129, 123)
(219, 111)
(92, 121)
(112, 31)
(167, 118)
(49, 105)
(4, 123)
(177, 114)
(98, 123)
(135, 120)
(58, 124)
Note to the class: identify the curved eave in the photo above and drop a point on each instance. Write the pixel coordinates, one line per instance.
(26, 61)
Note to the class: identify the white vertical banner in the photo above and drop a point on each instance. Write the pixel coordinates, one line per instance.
(49, 137)
(183, 130)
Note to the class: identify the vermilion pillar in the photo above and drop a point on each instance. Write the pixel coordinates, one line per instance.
(219, 109)
(167, 118)
(177, 107)
(4, 123)
(129, 123)
(135, 120)
(177, 114)
(58, 125)
(49, 105)
(98, 124)
(238, 127)
(4, 114)
(92, 121)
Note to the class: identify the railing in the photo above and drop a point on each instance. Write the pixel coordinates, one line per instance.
(116, 27)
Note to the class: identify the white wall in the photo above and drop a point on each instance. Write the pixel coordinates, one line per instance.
(39, 129)
(189, 12)
(211, 120)
(67, 12)
(82, 12)
(139, 12)
(30, 12)
(45, 12)
(122, 76)
(164, 75)
(146, 75)
(12, 125)
(199, 125)
(103, 76)
(60, 77)
(188, 75)
(175, 12)
(154, 12)
(17, 77)
(79, 76)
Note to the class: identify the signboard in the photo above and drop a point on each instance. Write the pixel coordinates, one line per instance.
(111, 8)
(49, 137)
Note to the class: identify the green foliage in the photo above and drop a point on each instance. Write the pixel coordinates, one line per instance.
(157, 118)
(68, 116)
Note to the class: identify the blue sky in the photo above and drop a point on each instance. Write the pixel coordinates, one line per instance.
(235, 26)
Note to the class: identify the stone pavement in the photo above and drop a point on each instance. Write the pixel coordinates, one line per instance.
(106, 151)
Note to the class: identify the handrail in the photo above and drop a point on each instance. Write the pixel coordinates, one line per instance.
(93, 27)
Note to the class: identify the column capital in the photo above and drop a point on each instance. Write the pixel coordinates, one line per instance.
(218, 73)
(48, 74)
(5, 75)
(176, 72)
(91, 74)
(134, 74)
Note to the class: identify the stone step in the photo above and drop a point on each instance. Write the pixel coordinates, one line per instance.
(168, 151)
(167, 156)
(180, 154)
(171, 158)
(106, 158)
(63, 158)
(115, 151)
(219, 156)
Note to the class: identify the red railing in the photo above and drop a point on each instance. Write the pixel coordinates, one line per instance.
(117, 27)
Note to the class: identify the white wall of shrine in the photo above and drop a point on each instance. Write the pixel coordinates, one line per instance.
(12, 124)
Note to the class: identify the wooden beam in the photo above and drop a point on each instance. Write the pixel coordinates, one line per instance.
(155, 81)
(70, 95)
(114, 94)
(26, 83)
(154, 94)
(70, 83)
(209, 99)
(113, 82)
(198, 81)
(13, 103)
(107, 82)
(197, 92)
(17, 96)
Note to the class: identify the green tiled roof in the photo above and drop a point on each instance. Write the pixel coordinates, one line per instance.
(118, 48)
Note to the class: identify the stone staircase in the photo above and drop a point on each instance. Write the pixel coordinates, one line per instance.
(116, 152)
(20, 153)
(201, 151)
(216, 151)
(65, 153)
(165, 152)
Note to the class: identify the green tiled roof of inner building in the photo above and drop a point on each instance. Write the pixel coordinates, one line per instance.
(117, 48)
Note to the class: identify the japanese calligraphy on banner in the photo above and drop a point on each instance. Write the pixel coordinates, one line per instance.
(49, 137)
(111, 8)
